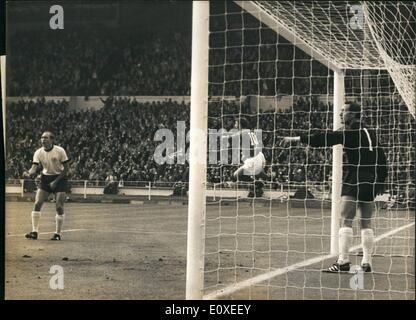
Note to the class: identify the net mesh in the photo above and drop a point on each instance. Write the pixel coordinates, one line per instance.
(273, 245)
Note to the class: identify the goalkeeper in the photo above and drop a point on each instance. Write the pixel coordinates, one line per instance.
(364, 176)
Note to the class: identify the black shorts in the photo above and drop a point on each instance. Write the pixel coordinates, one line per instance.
(361, 186)
(45, 180)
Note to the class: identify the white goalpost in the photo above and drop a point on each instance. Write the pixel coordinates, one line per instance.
(339, 97)
(285, 68)
(198, 147)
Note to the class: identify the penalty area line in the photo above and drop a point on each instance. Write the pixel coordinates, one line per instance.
(269, 275)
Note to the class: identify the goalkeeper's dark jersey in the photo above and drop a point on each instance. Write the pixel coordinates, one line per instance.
(361, 146)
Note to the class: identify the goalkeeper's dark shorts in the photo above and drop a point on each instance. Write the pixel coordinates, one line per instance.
(46, 180)
(361, 186)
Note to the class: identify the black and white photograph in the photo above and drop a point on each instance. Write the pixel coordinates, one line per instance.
(209, 150)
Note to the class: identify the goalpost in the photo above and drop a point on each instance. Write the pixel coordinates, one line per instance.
(291, 66)
(197, 151)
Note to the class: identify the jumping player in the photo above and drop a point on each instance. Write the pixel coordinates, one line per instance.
(54, 161)
(366, 171)
(252, 169)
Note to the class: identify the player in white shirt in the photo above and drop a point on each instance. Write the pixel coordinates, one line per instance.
(54, 162)
(252, 169)
(252, 166)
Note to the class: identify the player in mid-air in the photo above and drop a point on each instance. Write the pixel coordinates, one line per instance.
(366, 171)
(54, 161)
(252, 169)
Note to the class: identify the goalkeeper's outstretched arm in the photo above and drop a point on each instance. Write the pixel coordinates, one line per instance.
(326, 139)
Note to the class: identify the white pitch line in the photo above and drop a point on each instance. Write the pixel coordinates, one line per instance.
(266, 276)
(385, 235)
(109, 231)
(142, 231)
(63, 231)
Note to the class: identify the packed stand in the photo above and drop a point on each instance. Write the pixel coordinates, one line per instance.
(118, 139)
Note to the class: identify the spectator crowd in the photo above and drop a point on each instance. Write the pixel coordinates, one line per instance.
(103, 61)
(118, 139)
(99, 61)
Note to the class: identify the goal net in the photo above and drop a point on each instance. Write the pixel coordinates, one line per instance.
(283, 69)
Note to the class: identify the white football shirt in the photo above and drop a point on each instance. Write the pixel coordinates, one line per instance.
(253, 166)
(52, 160)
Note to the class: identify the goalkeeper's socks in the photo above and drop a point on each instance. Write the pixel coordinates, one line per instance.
(59, 219)
(367, 241)
(35, 221)
(345, 241)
